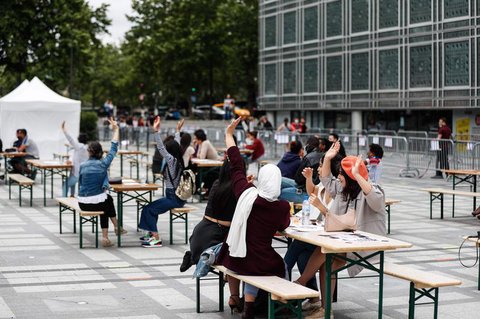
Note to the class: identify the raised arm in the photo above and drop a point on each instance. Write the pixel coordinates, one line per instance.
(332, 185)
(114, 147)
(70, 139)
(178, 130)
(308, 173)
(239, 178)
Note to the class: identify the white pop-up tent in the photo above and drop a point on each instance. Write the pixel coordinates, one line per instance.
(36, 108)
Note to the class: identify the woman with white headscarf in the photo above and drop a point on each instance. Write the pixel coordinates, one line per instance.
(259, 214)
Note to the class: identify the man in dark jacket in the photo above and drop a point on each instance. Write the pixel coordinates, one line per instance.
(291, 160)
(294, 190)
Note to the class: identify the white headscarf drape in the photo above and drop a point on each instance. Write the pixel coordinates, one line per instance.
(269, 183)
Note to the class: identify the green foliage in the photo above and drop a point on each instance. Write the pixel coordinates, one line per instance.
(88, 125)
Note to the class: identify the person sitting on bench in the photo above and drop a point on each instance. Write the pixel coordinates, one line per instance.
(259, 214)
(24, 144)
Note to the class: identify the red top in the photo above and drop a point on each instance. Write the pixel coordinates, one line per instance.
(445, 132)
(266, 218)
(257, 147)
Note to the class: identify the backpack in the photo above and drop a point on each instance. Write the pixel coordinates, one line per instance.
(186, 187)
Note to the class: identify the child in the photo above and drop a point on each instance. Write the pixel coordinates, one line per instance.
(373, 162)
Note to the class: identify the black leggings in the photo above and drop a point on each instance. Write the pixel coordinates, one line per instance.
(106, 207)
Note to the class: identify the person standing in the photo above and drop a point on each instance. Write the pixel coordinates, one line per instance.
(444, 134)
(80, 155)
(228, 103)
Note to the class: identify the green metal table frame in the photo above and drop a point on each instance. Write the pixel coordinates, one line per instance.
(63, 209)
(275, 306)
(20, 188)
(125, 197)
(422, 292)
(433, 197)
(183, 217)
(94, 221)
(362, 261)
(469, 179)
(46, 172)
(134, 156)
(221, 283)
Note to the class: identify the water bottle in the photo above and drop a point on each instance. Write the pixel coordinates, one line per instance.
(306, 211)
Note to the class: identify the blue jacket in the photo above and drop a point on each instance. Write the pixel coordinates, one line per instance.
(93, 176)
(289, 164)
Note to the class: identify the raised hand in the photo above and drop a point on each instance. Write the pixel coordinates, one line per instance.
(307, 172)
(231, 127)
(180, 125)
(356, 167)
(113, 123)
(333, 151)
(63, 126)
(156, 124)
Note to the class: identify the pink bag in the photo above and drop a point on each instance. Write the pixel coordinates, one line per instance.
(347, 221)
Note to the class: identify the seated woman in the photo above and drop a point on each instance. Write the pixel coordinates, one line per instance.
(350, 190)
(258, 216)
(93, 182)
(172, 154)
(299, 252)
(213, 229)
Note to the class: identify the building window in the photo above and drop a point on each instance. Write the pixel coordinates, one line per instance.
(388, 69)
(270, 79)
(334, 73)
(455, 8)
(359, 16)
(420, 11)
(334, 18)
(310, 76)
(388, 13)
(270, 32)
(456, 64)
(289, 77)
(289, 27)
(310, 27)
(360, 71)
(421, 66)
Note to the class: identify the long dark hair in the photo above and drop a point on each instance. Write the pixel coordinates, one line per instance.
(225, 186)
(95, 150)
(185, 140)
(351, 189)
(174, 149)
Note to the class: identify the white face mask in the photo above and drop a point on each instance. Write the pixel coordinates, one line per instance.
(248, 141)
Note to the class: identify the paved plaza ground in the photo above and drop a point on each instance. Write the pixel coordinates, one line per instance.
(44, 274)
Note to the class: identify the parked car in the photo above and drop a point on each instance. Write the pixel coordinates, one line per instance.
(203, 112)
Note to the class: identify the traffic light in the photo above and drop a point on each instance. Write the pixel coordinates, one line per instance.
(194, 90)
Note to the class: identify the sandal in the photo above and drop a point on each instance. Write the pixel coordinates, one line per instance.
(235, 303)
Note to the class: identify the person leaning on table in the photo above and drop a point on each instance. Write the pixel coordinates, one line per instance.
(93, 182)
(350, 190)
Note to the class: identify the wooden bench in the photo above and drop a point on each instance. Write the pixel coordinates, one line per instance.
(23, 183)
(182, 215)
(70, 205)
(422, 283)
(282, 294)
(437, 193)
(389, 202)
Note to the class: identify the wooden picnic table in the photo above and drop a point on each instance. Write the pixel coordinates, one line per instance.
(335, 244)
(50, 168)
(204, 165)
(130, 190)
(242, 150)
(467, 176)
(127, 153)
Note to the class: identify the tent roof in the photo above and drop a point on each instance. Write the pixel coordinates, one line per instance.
(35, 91)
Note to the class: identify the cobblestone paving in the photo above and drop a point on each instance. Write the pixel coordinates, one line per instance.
(44, 274)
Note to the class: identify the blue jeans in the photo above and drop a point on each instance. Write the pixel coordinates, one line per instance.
(149, 218)
(71, 183)
(299, 253)
(290, 192)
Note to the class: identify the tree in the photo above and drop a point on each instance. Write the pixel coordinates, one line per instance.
(51, 39)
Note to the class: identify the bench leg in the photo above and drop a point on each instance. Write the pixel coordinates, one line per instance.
(441, 206)
(81, 231)
(197, 280)
(411, 302)
(31, 195)
(74, 222)
(60, 216)
(9, 189)
(95, 220)
(20, 195)
(171, 227)
(435, 304)
(221, 284)
(431, 201)
(186, 228)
